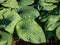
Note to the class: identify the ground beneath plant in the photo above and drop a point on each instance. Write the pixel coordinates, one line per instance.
(52, 41)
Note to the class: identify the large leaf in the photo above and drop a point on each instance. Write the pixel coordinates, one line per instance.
(5, 38)
(25, 2)
(11, 17)
(28, 12)
(11, 4)
(30, 31)
(58, 32)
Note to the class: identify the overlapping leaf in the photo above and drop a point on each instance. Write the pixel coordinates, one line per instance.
(30, 31)
(47, 6)
(2, 21)
(12, 18)
(52, 22)
(47, 16)
(52, 26)
(28, 12)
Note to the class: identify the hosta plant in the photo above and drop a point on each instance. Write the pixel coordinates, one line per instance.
(33, 21)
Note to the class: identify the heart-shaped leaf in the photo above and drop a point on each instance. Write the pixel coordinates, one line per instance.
(30, 31)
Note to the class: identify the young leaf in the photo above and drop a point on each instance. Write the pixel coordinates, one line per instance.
(30, 31)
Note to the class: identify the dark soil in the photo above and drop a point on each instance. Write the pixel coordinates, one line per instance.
(52, 41)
